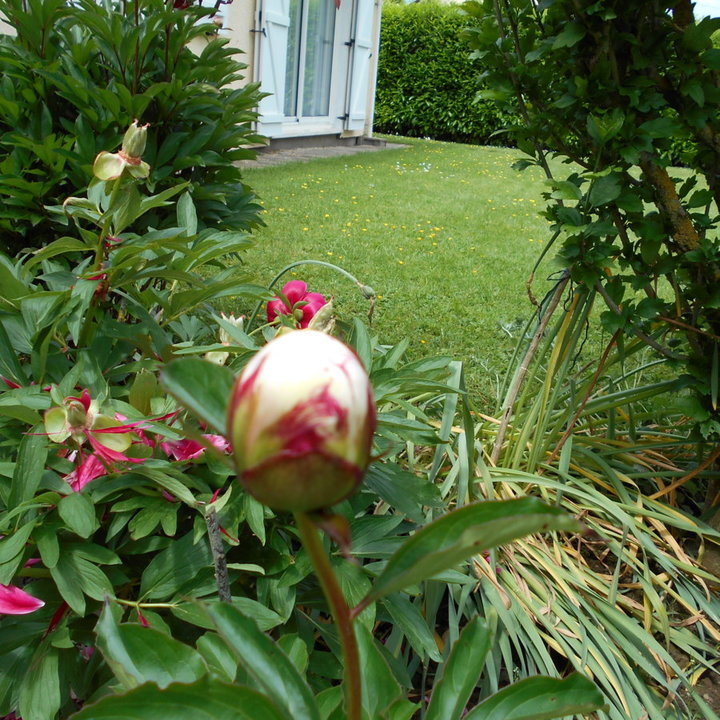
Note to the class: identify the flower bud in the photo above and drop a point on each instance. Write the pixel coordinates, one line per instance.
(301, 421)
(110, 166)
(133, 144)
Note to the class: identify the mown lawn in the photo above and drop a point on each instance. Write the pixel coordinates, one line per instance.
(446, 234)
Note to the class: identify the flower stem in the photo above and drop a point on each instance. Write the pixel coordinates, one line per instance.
(97, 265)
(340, 612)
(138, 604)
(216, 546)
(105, 229)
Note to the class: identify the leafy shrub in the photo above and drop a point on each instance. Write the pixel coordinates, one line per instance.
(427, 80)
(108, 489)
(77, 74)
(641, 235)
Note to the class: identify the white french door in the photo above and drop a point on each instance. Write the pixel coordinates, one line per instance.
(303, 62)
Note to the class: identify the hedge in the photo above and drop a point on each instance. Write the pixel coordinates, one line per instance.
(427, 81)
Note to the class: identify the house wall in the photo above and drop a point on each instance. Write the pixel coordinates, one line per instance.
(238, 23)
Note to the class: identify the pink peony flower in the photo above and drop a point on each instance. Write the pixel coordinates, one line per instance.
(297, 301)
(187, 449)
(85, 471)
(301, 421)
(14, 601)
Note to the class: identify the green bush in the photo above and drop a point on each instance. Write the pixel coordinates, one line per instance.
(427, 80)
(74, 77)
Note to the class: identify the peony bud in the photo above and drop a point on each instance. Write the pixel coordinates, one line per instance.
(301, 421)
(110, 166)
(133, 144)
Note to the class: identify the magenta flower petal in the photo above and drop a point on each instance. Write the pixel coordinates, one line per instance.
(89, 469)
(295, 291)
(185, 449)
(188, 449)
(298, 298)
(276, 307)
(14, 601)
(219, 442)
(108, 454)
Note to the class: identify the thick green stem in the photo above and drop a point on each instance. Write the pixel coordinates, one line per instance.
(98, 261)
(340, 612)
(105, 229)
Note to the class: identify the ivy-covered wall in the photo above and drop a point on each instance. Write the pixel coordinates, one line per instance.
(427, 81)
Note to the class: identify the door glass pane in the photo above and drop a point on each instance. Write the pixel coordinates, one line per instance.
(292, 64)
(318, 57)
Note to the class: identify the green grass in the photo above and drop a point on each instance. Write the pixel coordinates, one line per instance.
(446, 234)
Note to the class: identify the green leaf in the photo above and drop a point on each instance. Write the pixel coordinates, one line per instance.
(460, 672)
(406, 428)
(46, 539)
(565, 190)
(265, 662)
(32, 455)
(204, 700)
(58, 247)
(9, 364)
(264, 617)
(462, 533)
(604, 190)
(39, 695)
(11, 549)
(202, 387)
(171, 484)
(296, 649)
(380, 689)
(541, 698)
(571, 35)
(65, 577)
(218, 656)
(78, 514)
(138, 654)
(11, 287)
(402, 490)
(410, 621)
(663, 127)
(186, 214)
(360, 340)
(91, 578)
(711, 58)
(174, 566)
(142, 391)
